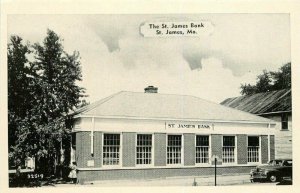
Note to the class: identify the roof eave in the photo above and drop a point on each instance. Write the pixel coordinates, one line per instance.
(275, 112)
(271, 122)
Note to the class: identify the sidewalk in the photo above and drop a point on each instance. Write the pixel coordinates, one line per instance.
(222, 180)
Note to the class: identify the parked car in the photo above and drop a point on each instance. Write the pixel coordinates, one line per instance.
(274, 171)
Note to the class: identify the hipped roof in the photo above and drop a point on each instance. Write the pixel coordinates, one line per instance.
(164, 106)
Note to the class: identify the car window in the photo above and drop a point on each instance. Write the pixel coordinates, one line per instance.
(281, 162)
(272, 162)
(289, 163)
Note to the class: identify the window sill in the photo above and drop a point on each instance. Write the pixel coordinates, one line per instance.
(203, 164)
(174, 165)
(112, 167)
(230, 164)
(144, 165)
(253, 163)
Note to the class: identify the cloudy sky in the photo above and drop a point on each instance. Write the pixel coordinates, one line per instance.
(116, 57)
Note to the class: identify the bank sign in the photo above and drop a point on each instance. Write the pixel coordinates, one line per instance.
(187, 126)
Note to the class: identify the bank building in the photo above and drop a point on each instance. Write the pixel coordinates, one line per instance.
(143, 135)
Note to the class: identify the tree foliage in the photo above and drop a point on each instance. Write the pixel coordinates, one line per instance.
(18, 91)
(282, 78)
(41, 93)
(269, 81)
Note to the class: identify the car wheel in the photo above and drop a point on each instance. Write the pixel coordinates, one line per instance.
(273, 178)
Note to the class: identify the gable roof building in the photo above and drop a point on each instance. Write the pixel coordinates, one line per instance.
(275, 105)
(262, 103)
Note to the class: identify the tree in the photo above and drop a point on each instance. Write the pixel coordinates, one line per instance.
(55, 84)
(248, 89)
(18, 91)
(269, 81)
(51, 92)
(282, 78)
(17, 80)
(264, 82)
(56, 92)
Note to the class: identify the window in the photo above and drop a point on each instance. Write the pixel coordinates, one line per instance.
(284, 121)
(288, 163)
(144, 149)
(253, 149)
(174, 149)
(281, 163)
(202, 149)
(111, 149)
(228, 154)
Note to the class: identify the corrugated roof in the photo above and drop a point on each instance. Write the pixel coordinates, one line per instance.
(166, 106)
(262, 103)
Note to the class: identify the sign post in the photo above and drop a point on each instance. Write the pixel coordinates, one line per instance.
(215, 171)
(215, 158)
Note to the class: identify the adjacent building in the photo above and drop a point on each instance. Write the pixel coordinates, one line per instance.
(132, 135)
(275, 105)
